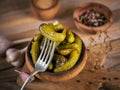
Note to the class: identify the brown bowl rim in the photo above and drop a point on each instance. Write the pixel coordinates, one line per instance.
(60, 76)
(52, 6)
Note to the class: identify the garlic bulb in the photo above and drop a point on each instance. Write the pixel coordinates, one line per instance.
(15, 57)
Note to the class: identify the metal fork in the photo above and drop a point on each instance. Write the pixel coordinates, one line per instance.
(44, 59)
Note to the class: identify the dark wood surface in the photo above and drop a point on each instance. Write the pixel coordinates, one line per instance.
(17, 22)
(88, 79)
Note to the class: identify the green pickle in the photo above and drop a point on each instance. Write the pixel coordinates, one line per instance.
(50, 33)
(58, 27)
(78, 41)
(35, 50)
(50, 67)
(38, 37)
(70, 36)
(74, 56)
(65, 51)
(68, 46)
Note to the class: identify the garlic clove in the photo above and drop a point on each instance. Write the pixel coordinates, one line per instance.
(15, 57)
(12, 54)
(24, 75)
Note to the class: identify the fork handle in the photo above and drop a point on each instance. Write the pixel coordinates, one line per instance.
(28, 79)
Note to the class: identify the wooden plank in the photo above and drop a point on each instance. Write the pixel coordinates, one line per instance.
(88, 79)
(4, 65)
(9, 85)
(27, 23)
(8, 74)
(17, 22)
(13, 5)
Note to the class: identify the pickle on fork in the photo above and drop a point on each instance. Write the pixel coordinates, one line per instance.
(50, 33)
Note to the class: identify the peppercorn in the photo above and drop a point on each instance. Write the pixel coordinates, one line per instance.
(92, 18)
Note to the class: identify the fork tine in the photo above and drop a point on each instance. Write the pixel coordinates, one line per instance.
(42, 51)
(45, 51)
(50, 54)
(49, 49)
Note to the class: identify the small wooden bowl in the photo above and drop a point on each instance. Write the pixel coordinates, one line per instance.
(95, 6)
(61, 76)
(45, 13)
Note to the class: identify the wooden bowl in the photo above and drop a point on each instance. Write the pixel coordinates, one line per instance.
(45, 13)
(61, 76)
(95, 6)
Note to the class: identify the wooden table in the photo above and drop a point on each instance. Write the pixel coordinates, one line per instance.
(17, 22)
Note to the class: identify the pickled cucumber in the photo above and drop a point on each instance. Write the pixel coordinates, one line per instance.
(70, 36)
(68, 46)
(74, 56)
(50, 33)
(56, 27)
(75, 45)
(50, 67)
(78, 41)
(37, 37)
(65, 51)
(35, 50)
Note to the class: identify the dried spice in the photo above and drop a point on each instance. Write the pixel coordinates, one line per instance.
(78, 81)
(98, 51)
(101, 86)
(92, 18)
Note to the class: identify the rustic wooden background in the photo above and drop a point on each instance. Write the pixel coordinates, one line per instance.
(17, 22)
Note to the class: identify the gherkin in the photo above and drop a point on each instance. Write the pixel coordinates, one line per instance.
(35, 51)
(69, 46)
(49, 32)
